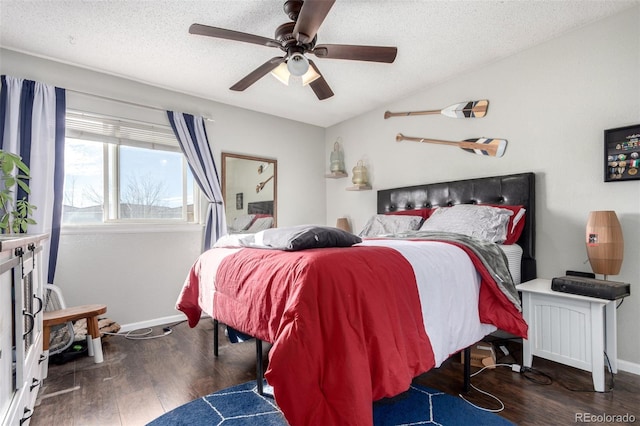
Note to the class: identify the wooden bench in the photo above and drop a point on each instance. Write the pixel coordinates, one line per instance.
(61, 316)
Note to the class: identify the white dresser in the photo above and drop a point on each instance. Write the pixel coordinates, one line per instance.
(22, 363)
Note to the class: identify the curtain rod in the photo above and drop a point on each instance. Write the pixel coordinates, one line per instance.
(130, 103)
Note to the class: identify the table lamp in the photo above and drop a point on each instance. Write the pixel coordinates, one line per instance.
(605, 244)
(343, 223)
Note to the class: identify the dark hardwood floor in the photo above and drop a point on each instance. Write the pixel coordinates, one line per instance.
(141, 379)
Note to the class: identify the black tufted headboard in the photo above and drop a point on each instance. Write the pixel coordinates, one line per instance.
(516, 189)
(260, 207)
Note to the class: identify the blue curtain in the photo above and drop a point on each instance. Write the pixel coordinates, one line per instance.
(32, 120)
(194, 143)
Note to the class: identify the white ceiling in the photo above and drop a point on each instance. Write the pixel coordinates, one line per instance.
(148, 41)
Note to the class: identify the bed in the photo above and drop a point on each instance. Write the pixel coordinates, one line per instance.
(351, 325)
(258, 218)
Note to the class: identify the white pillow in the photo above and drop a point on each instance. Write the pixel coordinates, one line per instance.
(231, 240)
(241, 223)
(383, 224)
(260, 224)
(482, 222)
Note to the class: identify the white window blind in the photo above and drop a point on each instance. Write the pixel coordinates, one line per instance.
(100, 128)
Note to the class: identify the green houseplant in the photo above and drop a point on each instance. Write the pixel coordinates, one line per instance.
(14, 215)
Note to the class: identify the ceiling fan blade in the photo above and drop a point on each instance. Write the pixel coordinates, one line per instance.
(206, 30)
(319, 85)
(356, 53)
(310, 18)
(257, 74)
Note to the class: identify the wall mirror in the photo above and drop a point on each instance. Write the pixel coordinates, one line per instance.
(249, 189)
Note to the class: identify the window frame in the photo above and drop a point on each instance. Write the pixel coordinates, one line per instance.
(111, 206)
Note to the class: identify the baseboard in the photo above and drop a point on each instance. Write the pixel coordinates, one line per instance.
(629, 367)
(151, 323)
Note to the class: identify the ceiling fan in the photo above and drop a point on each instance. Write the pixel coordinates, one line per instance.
(296, 39)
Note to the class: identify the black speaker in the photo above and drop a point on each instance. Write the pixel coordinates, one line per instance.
(591, 287)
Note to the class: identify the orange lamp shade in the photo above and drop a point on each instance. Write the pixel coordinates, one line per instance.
(605, 244)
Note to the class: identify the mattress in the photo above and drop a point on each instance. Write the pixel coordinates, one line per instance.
(514, 261)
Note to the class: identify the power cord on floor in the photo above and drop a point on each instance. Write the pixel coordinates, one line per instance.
(139, 334)
(606, 357)
(491, 410)
(541, 378)
(536, 376)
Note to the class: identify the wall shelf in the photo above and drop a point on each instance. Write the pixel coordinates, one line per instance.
(336, 175)
(359, 188)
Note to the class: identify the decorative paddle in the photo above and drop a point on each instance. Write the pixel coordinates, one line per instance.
(471, 109)
(260, 186)
(480, 146)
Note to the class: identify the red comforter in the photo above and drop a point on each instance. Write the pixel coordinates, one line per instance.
(342, 335)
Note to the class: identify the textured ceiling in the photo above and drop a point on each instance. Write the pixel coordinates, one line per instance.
(148, 41)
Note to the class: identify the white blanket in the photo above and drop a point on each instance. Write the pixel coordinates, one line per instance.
(448, 285)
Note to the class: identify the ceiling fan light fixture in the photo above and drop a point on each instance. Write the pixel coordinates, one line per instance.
(297, 64)
(281, 73)
(310, 76)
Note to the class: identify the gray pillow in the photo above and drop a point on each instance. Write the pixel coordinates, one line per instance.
(303, 237)
(482, 222)
(382, 224)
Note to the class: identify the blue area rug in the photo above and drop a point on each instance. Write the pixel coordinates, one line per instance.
(242, 406)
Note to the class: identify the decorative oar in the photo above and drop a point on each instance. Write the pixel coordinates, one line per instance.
(471, 109)
(260, 186)
(480, 146)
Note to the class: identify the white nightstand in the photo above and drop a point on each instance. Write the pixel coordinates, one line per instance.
(569, 329)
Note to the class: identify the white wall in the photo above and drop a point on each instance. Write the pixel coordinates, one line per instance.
(138, 275)
(552, 103)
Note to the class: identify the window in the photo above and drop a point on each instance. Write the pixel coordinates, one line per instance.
(124, 171)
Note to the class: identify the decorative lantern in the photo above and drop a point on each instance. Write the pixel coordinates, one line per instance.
(337, 160)
(360, 176)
